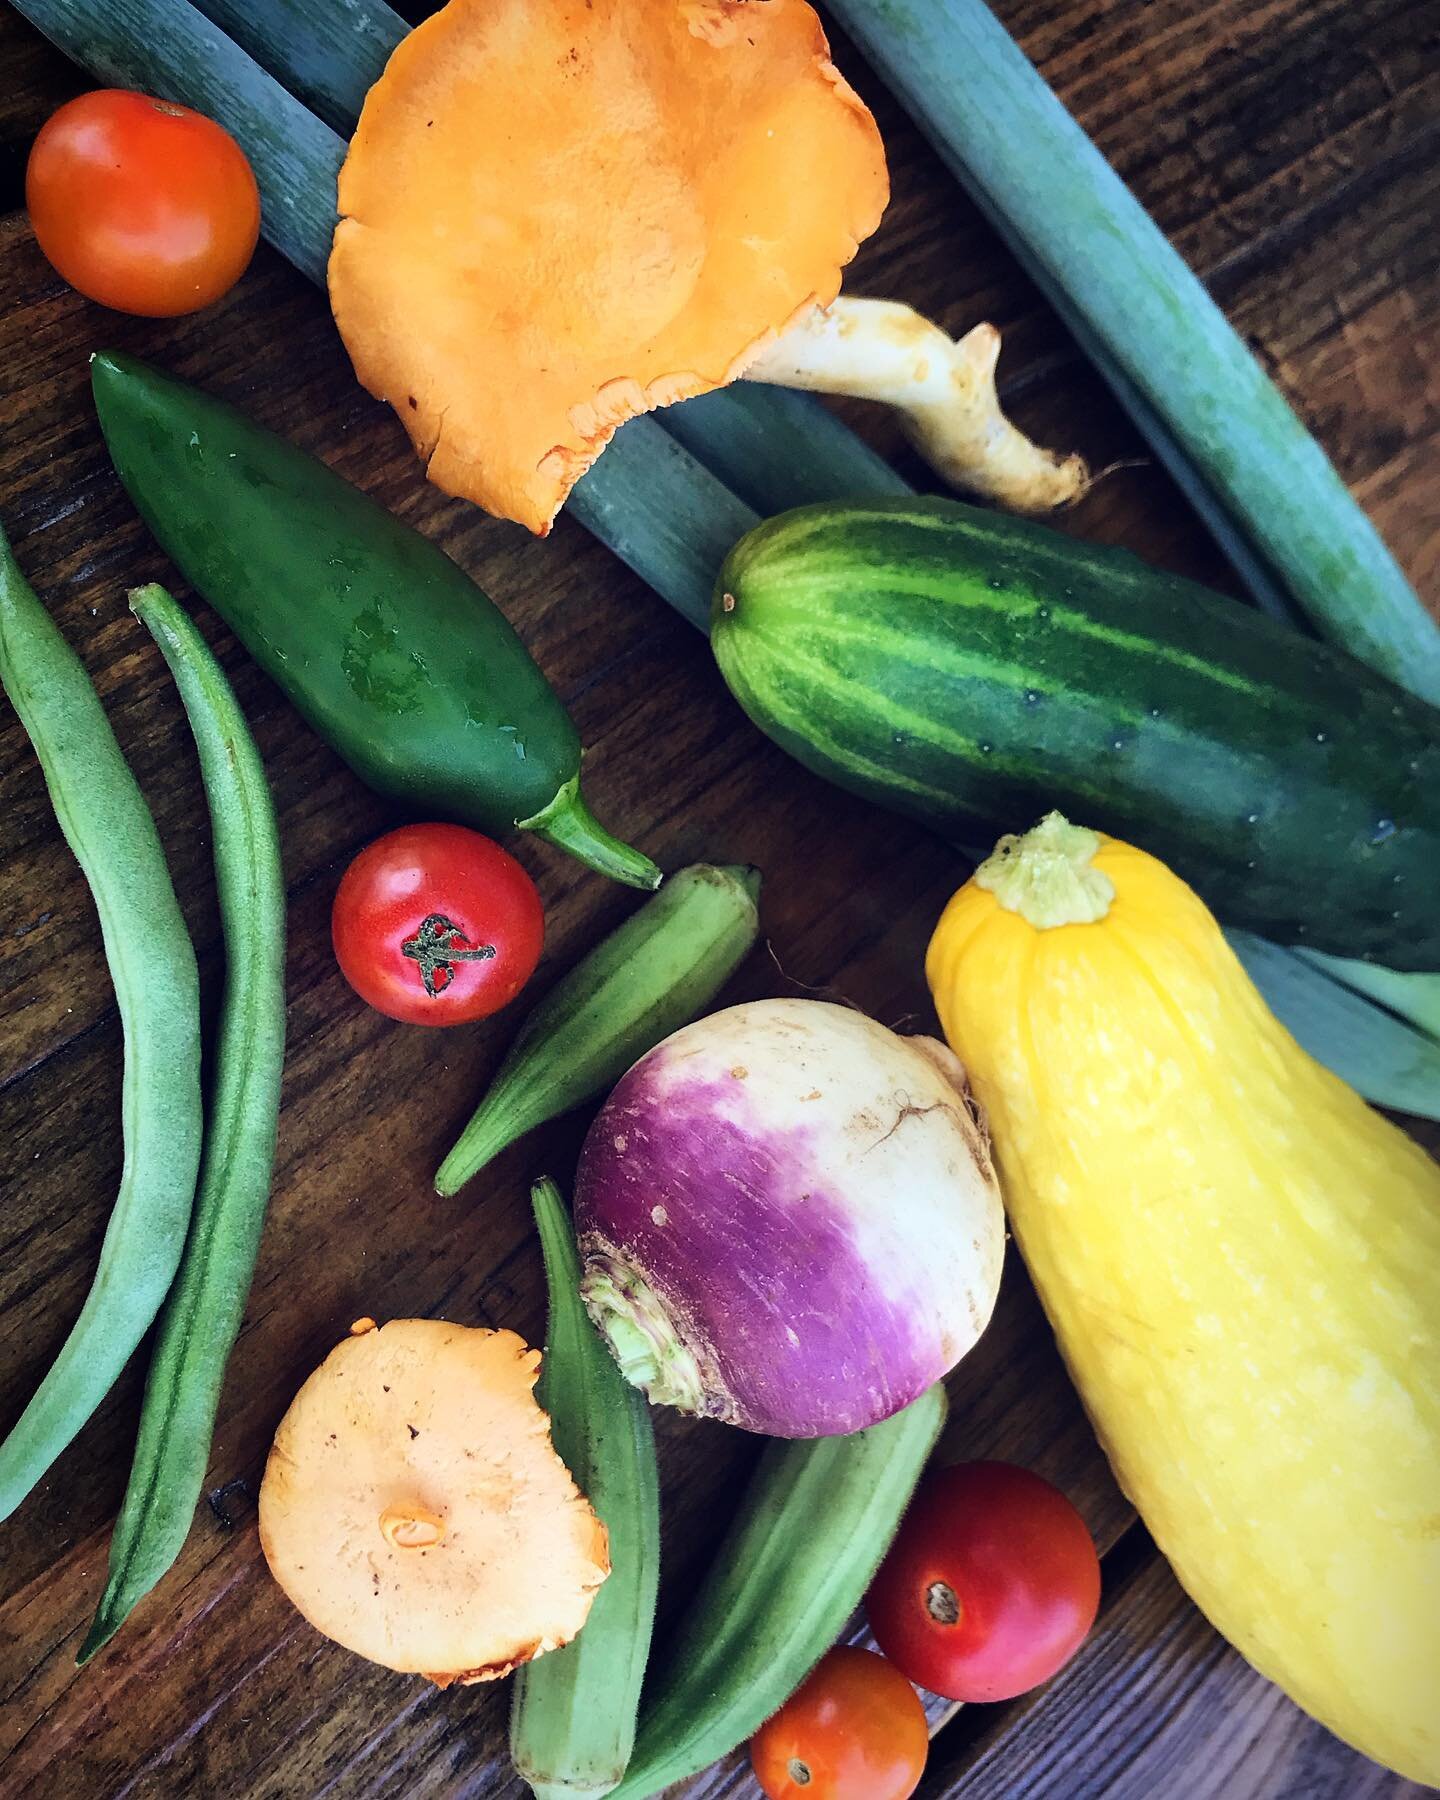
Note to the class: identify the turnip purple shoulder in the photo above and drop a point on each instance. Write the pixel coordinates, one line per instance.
(788, 1219)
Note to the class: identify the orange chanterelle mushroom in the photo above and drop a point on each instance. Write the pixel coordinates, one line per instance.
(414, 1509)
(559, 213)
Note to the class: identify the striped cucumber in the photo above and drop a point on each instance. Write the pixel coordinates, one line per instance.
(815, 1522)
(972, 669)
(572, 1723)
(651, 976)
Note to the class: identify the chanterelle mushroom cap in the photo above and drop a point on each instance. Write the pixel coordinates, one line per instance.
(559, 213)
(414, 1509)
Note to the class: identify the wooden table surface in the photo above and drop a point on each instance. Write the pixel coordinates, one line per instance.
(1289, 146)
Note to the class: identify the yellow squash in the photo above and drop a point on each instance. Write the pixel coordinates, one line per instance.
(1241, 1262)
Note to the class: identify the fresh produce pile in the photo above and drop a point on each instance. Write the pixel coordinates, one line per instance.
(786, 1216)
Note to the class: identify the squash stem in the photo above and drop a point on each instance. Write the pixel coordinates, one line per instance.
(1048, 876)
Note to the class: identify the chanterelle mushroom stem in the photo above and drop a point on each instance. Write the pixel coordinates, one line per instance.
(880, 350)
(409, 1526)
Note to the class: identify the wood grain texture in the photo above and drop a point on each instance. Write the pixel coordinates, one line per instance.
(1289, 145)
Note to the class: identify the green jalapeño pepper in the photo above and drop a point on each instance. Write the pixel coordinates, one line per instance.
(390, 651)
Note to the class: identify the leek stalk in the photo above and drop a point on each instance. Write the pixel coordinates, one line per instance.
(1385, 1060)
(778, 449)
(1413, 997)
(1211, 413)
(327, 56)
(170, 49)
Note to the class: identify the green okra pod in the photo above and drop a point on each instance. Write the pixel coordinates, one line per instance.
(651, 976)
(573, 1721)
(815, 1522)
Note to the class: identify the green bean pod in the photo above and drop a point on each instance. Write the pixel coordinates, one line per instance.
(654, 974)
(108, 826)
(572, 1725)
(201, 1317)
(815, 1522)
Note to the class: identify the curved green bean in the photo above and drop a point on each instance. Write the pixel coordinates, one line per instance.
(152, 963)
(201, 1319)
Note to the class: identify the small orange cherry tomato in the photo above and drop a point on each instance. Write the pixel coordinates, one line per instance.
(854, 1731)
(142, 204)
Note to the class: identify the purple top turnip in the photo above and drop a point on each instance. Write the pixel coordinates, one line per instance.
(788, 1219)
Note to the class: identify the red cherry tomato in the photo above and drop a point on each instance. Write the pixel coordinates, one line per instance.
(142, 204)
(855, 1730)
(436, 925)
(991, 1585)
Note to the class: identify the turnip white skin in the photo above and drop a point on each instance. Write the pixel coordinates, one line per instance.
(789, 1220)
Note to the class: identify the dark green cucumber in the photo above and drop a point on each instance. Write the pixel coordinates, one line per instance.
(385, 645)
(972, 669)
